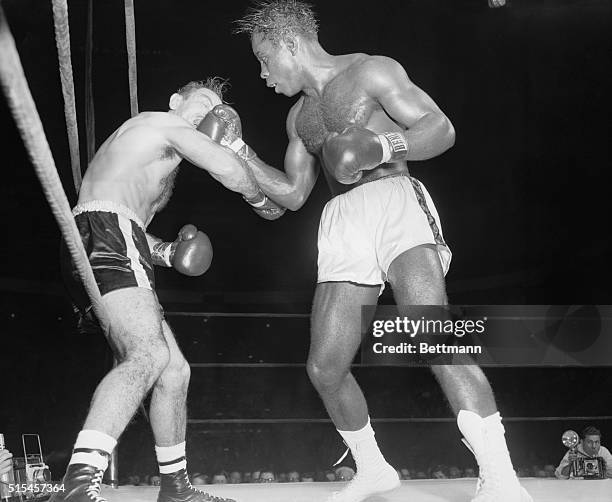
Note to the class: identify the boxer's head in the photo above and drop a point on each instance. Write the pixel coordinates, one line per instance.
(195, 99)
(278, 30)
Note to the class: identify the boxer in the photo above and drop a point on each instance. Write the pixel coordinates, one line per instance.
(362, 119)
(129, 180)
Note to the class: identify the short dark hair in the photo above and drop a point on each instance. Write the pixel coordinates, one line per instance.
(217, 85)
(275, 19)
(591, 431)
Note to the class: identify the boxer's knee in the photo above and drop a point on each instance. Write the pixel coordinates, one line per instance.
(176, 375)
(150, 359)
(326, 374)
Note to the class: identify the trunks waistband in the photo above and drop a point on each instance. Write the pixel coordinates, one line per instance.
(108, 206)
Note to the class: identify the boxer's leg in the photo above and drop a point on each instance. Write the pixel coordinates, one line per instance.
(335, 338)
(168, 415)
(168, 411)
(137, 338)
(417, 278)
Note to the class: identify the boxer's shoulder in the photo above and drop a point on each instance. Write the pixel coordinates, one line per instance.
(374, 68)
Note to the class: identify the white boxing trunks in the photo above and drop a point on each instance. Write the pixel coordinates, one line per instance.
(363, 230)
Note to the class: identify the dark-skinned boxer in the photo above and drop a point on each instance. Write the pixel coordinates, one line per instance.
(130, 179)
(362, 119)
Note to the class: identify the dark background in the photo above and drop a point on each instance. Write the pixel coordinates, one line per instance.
(523, 197)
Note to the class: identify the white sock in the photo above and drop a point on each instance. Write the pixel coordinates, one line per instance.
(89, 440)
(171, 458)
(363, 446)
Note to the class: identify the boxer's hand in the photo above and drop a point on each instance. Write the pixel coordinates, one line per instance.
(222, 125)
(190, 254)
(357, 149)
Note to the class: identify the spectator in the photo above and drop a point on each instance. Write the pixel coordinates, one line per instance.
(267, 477)
(405, 473)
(235, 478)
(344, 473)
(439, 472)
(469, 472)
(200, 479)
(293, 477)
(549, 469)
(156, 480)
(522, 472)
(219, 478)
(330, 475)
(307, 477)
(454, 472)
(589, 446)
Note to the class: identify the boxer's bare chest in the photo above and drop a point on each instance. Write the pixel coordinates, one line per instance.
(342, 104)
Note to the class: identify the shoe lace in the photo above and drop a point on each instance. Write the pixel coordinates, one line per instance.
(93, 490)
(206, 496)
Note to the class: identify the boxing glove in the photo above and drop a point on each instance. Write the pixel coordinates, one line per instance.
(222, 125)
(357, 149)
(190, 254)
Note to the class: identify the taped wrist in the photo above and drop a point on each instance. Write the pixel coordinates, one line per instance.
(162, 254)
(241, 149)
(259, 200)
(394, 145)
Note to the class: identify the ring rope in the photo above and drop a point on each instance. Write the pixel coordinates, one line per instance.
(130, 42)
(398, 420)
(62, 41)
(90, 116)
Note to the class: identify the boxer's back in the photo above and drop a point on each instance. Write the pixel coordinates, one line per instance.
(135, 166)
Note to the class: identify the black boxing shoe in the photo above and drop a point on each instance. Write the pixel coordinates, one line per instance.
(81, 483)
(176, 487)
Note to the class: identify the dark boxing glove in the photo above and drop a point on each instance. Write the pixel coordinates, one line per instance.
(190, 254)
(358, 149)
(222, 125)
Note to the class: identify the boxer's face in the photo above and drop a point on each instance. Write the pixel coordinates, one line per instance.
(278, 65)
(194, 107)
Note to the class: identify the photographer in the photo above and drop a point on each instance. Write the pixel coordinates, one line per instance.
(6, 461)
(589, 446)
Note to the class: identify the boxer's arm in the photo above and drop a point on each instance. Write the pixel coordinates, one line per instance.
(428, 132)
(158, 247)
(219, 161)
(292, 187)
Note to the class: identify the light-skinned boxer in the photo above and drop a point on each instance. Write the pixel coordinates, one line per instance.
(363, 120)
(128, 181)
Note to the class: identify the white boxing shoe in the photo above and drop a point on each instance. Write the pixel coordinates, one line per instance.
(368, 482)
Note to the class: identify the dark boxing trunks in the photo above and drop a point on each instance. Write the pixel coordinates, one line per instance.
(117, 248)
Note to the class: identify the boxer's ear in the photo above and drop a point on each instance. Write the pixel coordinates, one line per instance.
(291, 42)
(175, 100)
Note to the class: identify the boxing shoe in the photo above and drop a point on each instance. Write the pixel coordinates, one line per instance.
(81, 483)
(368, 482)
(176, 487)
(497, 481)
